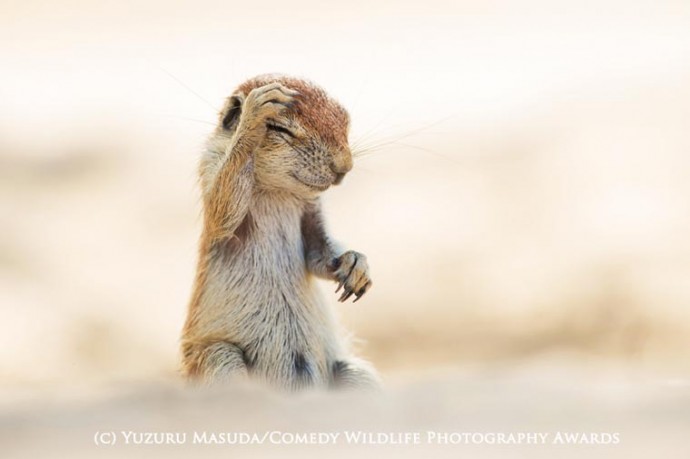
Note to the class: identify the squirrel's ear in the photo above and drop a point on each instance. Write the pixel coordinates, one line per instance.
(231, 112)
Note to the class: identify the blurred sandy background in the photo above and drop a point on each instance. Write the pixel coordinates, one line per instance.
(524, 199)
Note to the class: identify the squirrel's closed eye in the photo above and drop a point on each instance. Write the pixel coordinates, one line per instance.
(281, 129)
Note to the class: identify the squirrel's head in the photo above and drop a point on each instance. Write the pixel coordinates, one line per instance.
(306, 149)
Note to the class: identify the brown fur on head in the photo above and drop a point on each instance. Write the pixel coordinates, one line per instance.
(306, 150)
(314, 109)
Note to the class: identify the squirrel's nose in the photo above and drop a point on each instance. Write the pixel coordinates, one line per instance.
(341, 165)
(340, 171)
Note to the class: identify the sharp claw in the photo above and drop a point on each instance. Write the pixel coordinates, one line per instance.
(362, 291)
(360, 294)
(346, 294)
(340, 285)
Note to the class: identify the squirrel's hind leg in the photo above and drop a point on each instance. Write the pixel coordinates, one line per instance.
(215, 362)
(354, 374)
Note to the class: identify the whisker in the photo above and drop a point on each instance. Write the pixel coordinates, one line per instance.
(184, 118)
(292, 145)
(181, 83)
(416, 130)
(429, 150)
(371, 130)
(362, 149)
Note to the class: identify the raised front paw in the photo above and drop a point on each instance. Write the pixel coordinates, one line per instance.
(266, 104)
(352, 273)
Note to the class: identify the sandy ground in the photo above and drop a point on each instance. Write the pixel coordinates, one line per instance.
(633, 415)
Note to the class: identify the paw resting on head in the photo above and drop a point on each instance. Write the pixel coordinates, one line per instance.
(351, 271)
(267, 104)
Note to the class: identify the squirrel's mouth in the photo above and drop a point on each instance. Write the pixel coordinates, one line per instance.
(312, 185)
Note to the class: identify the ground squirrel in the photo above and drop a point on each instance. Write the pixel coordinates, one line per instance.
(255, 310)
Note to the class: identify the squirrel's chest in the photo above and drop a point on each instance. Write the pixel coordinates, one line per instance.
(274, 244)
(271, 248)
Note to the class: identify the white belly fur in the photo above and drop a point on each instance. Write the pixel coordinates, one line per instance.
(263, 300)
